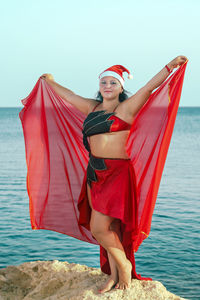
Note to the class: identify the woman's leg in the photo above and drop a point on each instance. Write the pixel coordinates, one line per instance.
(119, 266)
(115, 226)
(114, 278)
(109, 240)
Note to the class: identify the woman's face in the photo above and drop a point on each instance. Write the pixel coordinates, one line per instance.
(110, 87)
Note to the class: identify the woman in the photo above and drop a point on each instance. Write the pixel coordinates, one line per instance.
(107, 152)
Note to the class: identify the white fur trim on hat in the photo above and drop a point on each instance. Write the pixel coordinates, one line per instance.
(113, 74)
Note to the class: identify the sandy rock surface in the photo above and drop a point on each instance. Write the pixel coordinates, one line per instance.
(54, 280)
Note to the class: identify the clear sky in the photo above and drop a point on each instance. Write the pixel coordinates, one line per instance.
(76, 40)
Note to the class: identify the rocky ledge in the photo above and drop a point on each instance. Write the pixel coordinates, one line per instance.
(55, 280)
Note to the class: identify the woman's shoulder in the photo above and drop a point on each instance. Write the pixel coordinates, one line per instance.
(93, 104)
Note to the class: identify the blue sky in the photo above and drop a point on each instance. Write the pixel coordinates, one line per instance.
(76, 40)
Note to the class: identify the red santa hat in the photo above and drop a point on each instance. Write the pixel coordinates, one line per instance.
(117, 72)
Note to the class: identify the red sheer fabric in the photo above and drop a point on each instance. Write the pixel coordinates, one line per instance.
(148, 144)
(56, 158)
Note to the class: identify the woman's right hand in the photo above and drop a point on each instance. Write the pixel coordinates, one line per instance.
(47, 77)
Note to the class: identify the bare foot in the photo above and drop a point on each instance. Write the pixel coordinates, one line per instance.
(108, 285)
(124, 276)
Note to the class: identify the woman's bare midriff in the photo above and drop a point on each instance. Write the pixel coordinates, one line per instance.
(109, 145)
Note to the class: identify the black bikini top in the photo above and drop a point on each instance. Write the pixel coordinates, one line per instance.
(101, 122)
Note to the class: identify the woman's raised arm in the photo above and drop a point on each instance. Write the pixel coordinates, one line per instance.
(135, 102)
(83, 104)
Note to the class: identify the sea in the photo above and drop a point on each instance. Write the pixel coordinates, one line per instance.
(171, 254)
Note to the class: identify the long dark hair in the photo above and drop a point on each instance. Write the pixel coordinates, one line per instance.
(123, 96)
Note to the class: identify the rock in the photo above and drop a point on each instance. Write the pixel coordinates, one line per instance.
(54, 280)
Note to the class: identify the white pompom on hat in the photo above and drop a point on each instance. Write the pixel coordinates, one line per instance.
(117, 72)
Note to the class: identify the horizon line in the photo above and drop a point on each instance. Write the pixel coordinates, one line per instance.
(24, 106)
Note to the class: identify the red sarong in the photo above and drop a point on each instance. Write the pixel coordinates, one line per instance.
(113, 194)
(57, 160)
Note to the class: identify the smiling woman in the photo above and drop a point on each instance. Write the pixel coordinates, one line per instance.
(114, 81)
(101, 189)
(110, 87)
(122, 96)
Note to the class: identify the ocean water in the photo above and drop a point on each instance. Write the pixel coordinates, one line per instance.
(171, 254)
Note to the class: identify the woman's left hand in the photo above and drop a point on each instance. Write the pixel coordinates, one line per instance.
(178, 61)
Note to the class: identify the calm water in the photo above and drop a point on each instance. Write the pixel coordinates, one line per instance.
(172, 252)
